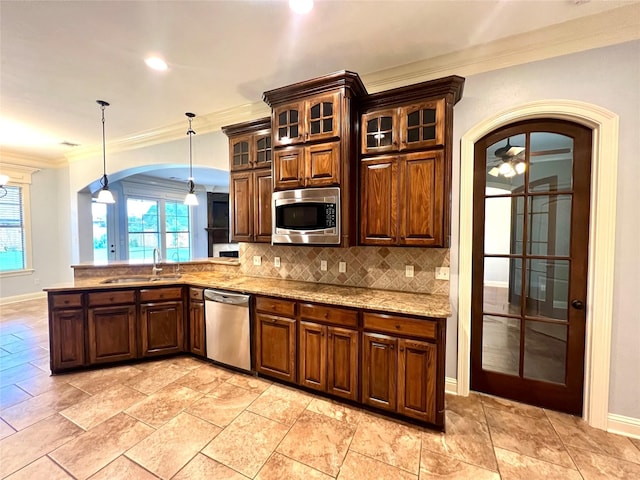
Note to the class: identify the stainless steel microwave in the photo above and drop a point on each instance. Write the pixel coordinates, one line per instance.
(309, 216)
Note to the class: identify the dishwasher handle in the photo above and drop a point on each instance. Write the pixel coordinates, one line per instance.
(229, 298)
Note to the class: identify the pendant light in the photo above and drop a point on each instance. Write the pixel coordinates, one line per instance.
(104, 196)
(191, 198)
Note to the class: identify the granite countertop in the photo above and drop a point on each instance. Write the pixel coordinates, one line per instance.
(420, 304)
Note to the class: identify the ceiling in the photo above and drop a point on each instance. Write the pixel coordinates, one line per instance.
(59, 57)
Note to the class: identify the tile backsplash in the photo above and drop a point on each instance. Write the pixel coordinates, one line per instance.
(372, 267)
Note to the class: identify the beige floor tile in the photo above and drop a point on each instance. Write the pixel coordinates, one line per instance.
(12, 395)
(25, 446)
(37, 408)
(282, 404)
(123, 469)
(185, 362)
(173, 445)
(42, 468)
(246, 444)
(575, 432)
(469, 407)
(43, 364)
(102, 406)
(336, 410)
(595, 466)
(203, 467)
(318, 441)
(89, 452)
(19, 373)
(514, 466)
(41, 384)
(249, 382)
(95, 381)
(204, 379)
(155, 377)
(636, 442)
(465, 439)
(534, 437)
(390, 442)
(223, 405)
(5, 430)
(434, 466)
(31, 354)
(361, 467)
(510, 406)
(161, 406)
(279, 467)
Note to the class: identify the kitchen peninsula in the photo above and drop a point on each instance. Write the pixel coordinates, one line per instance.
(364, 345)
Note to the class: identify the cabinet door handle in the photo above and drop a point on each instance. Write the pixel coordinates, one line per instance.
(402, 349)
(322, 333)
(397, 326)
(391, 347)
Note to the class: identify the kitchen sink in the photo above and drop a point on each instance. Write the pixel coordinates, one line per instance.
(158, 278)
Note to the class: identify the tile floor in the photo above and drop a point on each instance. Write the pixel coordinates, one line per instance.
(183, 418)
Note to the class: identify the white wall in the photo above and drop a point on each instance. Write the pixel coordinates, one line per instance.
(608, 77)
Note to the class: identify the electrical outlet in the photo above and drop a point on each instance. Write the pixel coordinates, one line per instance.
(323, 265)
(257, 260)
(408, 271)
(442, 273)
(342, 267)
(276, 262)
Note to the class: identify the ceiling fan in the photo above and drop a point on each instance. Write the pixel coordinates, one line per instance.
(510, 161)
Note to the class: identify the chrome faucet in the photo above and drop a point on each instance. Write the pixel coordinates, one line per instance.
(156, 261)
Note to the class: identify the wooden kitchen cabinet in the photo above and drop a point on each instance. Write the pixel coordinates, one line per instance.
(402, 198)
(251, 186)
(197, 343)
(403, 374)
(161, 321)
(111, 322)
(328, 350)
(66, 331)
(275, 334)
(307, 166)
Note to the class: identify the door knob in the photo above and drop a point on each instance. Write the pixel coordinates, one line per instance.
(577, 304)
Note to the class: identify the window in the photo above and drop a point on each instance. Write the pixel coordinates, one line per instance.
(161, 224)
(13, 254)
(99, 213)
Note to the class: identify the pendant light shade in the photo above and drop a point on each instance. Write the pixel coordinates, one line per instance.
(104, 196)
(191, 198)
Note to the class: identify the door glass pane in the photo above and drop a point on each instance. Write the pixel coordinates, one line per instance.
(315, 127)
(501, 236)
(545, 351)
(551, 162)
(327, 109)
(177, 231)
(429, 115)
(429, 133)
(549, 225)
(506, 164)
(282, 118)
(413, 119)
(293, 131)
(502, 288)
(547, 288)
(327, 125)
(501, 344)
(386, 123)
(315, 111)
(293, 116)
(413, 135)
(143, 228)
(100, 247)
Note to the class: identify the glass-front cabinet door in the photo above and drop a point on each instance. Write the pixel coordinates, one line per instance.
(422, 125)
(380, 131)
(323, 117)
(288, 124)
(262, 147)
(240, 152)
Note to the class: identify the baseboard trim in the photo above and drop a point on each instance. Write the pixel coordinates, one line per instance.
(627, 426)
(22, 298)
(451, 385)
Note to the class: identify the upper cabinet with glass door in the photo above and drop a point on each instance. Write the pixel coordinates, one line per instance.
(414, 126)
(249, 144)
(309, 120)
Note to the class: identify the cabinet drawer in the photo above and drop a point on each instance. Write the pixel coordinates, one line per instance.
(271, 305)
(171, 293)
(111, 297)
(321, 313)
(66, 300)
(400, 325)
(196, 294)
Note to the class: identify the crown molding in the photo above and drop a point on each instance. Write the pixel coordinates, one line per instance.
(15, 159)
(600, 30)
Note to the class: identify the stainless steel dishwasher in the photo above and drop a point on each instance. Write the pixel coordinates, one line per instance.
(228, 329)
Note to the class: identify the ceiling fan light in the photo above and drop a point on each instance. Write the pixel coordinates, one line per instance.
(520, 167)
(513, 151)
(105, 196)
(494, 172)
(505, 168)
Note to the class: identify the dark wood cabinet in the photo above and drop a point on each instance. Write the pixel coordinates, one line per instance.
(161, 321)
(197, 344)
(402, 200)
(310, 166)
(275, 334)
(66, 331)
(417, 373)
(251, 185)
(379, 371)
(111, 322)
(328, 350)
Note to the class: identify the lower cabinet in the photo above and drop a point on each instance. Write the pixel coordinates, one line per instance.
(197, 344)
(379, 371)
(111, 326)
(67, 328)
(275, 328)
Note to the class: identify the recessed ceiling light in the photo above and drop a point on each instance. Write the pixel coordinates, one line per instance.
(301, 6)
(156, 63)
